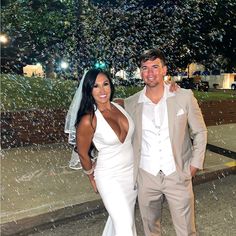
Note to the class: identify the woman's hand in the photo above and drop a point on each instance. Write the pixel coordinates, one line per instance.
(93, 183)
(173, 85)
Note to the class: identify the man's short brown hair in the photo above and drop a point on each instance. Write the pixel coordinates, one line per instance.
(152, 54)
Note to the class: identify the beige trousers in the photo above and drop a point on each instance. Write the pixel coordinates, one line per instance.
(152, 190)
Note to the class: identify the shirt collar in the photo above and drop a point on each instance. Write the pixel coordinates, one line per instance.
(144, 99)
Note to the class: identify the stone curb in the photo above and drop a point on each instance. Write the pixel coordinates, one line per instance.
(46, 220)
(80, 211)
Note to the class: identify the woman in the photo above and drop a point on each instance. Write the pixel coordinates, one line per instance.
(108, 127)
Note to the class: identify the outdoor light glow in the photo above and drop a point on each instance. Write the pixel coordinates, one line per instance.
(3, 38)
(100, 64)
(64, 65)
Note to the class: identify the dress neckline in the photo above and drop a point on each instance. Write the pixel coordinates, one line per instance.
(119, 108)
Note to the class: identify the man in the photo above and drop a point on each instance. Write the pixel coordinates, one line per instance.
(169, 147)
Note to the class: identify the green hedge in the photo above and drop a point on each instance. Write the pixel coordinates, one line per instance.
(22, 93)
(19, 92)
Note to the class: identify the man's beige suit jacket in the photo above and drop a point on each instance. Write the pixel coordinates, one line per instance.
(187, 130)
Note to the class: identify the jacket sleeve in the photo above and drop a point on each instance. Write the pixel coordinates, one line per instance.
(198, 131)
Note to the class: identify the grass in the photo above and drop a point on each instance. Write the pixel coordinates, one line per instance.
(22, 93)
(215, 95)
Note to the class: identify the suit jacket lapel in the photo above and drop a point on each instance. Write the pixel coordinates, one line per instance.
(171, 111)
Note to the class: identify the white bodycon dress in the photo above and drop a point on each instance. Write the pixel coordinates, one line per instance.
(114, 176)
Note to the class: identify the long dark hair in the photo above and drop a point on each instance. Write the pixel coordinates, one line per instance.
(88, 104)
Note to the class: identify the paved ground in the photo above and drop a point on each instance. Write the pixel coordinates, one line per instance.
(215, 214)
(37, 186)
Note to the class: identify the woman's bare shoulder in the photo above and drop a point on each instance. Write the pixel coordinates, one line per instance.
(87, 122)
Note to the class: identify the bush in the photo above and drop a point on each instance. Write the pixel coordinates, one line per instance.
(20, 93)
(23, 93)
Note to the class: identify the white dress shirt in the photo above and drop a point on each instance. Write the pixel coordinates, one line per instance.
(156, 150)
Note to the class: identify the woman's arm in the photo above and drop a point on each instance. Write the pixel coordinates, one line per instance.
(84, 136)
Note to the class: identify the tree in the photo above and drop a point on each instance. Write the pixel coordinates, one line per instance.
(116, 32)
(40, 30)
(218, 25)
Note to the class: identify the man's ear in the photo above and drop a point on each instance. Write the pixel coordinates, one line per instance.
(165, 70)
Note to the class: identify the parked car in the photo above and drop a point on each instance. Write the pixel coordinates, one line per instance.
(189, 83)
(233, 85)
